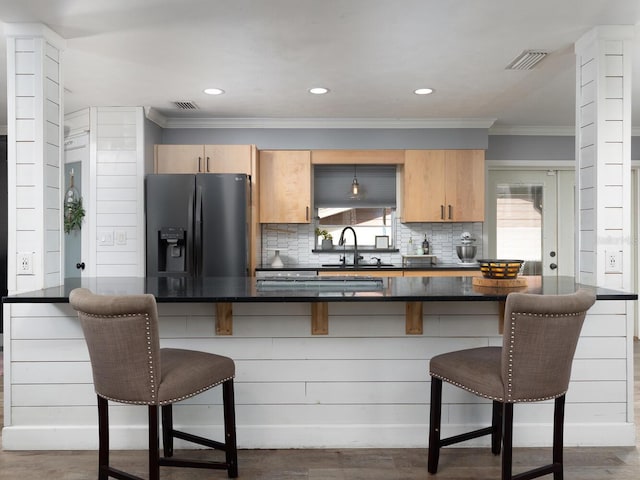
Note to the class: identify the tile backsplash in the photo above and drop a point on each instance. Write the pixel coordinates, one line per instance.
(296, 242)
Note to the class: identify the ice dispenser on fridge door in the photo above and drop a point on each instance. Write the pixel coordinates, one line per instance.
(172, 252)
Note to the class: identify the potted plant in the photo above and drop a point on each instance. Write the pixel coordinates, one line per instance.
(327, 239)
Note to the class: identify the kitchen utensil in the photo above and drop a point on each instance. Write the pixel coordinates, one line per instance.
(466, 253)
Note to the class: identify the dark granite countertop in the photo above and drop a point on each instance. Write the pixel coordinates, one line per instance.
(244, 289)
(365, 267)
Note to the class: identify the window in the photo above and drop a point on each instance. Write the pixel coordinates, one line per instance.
(519, 224)
(367, 222)
(371, 213)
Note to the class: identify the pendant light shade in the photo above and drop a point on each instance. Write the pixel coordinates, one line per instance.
(355, 186)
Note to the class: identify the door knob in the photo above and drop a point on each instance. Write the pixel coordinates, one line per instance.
(553, 266)
(80, 266)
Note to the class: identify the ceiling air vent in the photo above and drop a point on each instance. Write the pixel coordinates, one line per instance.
(185, 105)
(527, 60)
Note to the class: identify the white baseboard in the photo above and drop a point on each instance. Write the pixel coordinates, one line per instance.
(310, 436)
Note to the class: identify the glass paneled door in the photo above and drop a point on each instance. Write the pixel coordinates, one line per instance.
(530, 217)
(76, 154)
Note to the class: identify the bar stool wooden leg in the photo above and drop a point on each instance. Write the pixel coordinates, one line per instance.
(496, 425)
(507, 440)
(231, 449)
(167, 430)
(434, 425)
(103, 439)
(154, 453)
(558, 438)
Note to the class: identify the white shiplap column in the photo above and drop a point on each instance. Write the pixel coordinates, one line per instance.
(34, 130)
(603, 154)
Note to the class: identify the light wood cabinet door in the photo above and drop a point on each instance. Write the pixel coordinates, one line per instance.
(285, 186)
(443, 186)
(228, 158)
(423, 186)
(204, 158)
(464, 191)
(179, 158)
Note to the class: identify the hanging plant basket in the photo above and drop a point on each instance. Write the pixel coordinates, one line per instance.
(73, 215)
(73, 209)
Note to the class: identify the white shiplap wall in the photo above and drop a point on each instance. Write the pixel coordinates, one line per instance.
(363, 385)
(117, 192)
(603, 146)
(34, 94)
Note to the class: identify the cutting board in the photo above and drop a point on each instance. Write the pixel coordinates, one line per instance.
(500, 282)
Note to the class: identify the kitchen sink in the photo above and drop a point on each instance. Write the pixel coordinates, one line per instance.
(359, 266)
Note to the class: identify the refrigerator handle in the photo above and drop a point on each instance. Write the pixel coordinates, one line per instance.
(190, 241)
(197, 254)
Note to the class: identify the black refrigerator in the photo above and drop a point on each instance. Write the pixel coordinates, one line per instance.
(197, 225)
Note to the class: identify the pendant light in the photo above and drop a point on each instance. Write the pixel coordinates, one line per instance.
(355, 186)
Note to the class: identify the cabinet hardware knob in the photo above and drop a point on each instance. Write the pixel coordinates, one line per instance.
(450, 212)
(199, 164)
(553, 266)
(442, 212)
(80, 265)
(207, 165)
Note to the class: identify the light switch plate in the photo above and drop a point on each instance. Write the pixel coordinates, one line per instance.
(121, 237)
(105, 238)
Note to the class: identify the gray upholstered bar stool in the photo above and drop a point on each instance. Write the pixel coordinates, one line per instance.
(130, 367)
(534, 364)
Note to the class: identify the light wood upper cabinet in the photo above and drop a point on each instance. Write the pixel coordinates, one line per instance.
(228, 158)
(285, 186)
(178, 158)
(443, 186)
(204, 158)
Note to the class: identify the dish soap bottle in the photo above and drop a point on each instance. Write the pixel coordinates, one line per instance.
(410, 250)
(425, 245)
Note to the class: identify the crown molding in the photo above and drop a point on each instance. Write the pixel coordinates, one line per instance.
(25, 30)
(400, 123)
(155, 116)
(539, 130)
(182, 122)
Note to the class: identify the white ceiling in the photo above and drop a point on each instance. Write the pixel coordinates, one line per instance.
(371, 54)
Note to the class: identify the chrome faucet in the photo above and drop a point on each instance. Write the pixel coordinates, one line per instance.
(356, 257)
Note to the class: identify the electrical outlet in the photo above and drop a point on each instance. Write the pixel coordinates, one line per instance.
(613, 261)
(24, 264)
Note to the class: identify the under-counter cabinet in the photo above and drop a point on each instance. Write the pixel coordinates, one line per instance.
(204, 158)
(369, 272)
(443, 273)
(443, 186)
(285, 186)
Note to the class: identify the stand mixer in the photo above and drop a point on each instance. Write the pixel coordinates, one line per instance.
(467, 250)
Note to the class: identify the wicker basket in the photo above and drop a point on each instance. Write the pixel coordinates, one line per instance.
(500, 268)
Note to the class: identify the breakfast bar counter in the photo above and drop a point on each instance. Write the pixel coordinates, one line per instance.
(362, 383)
(247, 289)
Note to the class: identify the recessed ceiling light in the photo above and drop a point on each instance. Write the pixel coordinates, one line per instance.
(423, 91)
(213, 91)
(318, 90)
